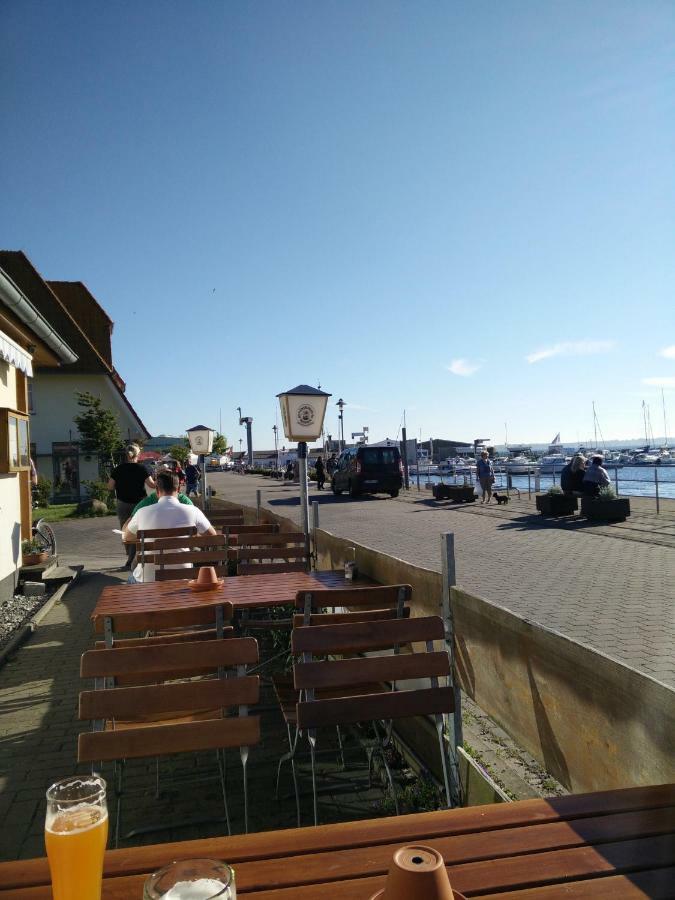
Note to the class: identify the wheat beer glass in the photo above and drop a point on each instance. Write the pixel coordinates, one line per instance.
(76, 833)
(192, 879)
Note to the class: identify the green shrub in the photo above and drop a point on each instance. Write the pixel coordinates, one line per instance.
(42, 491)
(98, 490)
(31, 546)
(555, 490)
(607, 492)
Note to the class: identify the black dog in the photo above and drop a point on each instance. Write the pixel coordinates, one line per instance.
(500, 498)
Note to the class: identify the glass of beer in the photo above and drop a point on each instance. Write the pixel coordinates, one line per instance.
(192, 879)
(76, 833)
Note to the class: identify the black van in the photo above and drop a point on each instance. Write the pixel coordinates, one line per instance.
(368, 470)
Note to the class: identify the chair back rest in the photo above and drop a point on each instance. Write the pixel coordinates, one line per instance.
(275, 552)
(312, 675)
(359, 604)
(198, 550)
(234, 530)
(156, 619)
(174, 660)
(201, 705)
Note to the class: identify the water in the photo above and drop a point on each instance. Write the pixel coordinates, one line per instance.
(634, 481)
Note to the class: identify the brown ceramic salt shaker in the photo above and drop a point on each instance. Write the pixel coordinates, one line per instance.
(417, 871)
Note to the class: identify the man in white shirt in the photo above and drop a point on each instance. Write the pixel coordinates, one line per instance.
(166, 513)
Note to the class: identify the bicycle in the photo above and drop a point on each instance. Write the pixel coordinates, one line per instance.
(43, 533)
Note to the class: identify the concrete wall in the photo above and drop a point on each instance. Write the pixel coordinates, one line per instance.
(55, 407)
(593, 722)
(10, 499)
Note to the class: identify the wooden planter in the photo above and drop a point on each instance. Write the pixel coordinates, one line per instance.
(34, 559)
(598, 510)
(556, 505)
(458, 493)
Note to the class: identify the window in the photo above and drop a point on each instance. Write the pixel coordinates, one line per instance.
(14, 441)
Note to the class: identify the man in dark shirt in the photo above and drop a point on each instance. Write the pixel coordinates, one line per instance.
(192, 476)
(129, 481)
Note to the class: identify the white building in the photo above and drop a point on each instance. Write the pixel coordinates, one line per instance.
(72, 311)
(27, 340)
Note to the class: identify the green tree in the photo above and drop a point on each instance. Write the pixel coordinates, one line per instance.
(180, 453)
(219, 444)
(99, 429)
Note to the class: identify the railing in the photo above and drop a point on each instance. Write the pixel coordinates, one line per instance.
(655, 484)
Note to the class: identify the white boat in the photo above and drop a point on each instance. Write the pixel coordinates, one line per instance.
(645, 459)
(519, 465)
(553, 462)
(666, 458)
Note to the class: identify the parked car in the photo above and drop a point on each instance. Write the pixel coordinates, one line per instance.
(368, 470)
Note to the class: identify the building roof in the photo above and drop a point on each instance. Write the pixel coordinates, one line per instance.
(91, 318)
(75, 314)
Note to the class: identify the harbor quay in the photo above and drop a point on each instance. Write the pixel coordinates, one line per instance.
(608, 587)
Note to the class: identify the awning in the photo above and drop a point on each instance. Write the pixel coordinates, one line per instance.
(15, 355)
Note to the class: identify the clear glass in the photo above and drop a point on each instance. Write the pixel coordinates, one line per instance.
(192, 879)
(76, 834)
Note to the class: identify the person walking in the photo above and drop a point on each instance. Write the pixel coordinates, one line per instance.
(192, 476)
(129, 481)
(320, 474)
(486, 476)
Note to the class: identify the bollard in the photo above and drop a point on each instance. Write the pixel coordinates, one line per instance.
(537, 482)
(529, 486)
(656, 485)
(258, 503)
(616, 480)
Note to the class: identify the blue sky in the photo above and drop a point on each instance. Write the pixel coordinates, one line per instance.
(463, 209)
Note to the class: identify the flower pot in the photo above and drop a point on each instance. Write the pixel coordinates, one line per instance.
(34, 559)
(458, 493)
(556, 504)
(417, 871)
(598, 509)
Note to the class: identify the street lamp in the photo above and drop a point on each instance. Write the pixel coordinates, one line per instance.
(303, 409)
(201, 443)
(275, 429)
(341, 405)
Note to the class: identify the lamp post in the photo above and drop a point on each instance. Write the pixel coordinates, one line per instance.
(341, 405)
(275, 429)
(201, 443)
(303, 409)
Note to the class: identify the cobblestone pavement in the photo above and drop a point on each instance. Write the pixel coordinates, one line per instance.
(609, 587)
(39, 690)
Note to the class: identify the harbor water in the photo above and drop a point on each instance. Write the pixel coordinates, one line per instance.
(633, 481)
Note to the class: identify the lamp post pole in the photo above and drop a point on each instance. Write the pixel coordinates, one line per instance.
(304, 495)
(275, 429)
(341, 405)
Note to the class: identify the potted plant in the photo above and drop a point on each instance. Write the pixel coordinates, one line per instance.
(556, 503)
(458, 493)
(606, 506)
(33, 553)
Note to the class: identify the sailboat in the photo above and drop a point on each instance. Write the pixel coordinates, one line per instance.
(555, 460)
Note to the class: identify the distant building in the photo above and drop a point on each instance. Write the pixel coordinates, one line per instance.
(73, 312)
(27, 341)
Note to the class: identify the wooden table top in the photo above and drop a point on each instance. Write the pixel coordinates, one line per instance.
(243, 591)
(613, 844)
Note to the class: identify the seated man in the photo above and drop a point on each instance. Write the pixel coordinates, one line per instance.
(168, 512)
(595, 477)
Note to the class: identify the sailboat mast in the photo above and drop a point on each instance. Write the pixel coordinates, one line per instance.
(595, 428)
(644, 419)
(665, 424)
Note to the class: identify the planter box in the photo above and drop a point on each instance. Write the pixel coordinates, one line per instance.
(458, 493)
(556, 505)
(34, 559)
(598, 510)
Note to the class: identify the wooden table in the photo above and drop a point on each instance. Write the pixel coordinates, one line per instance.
(242, 591)
(614, 844)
